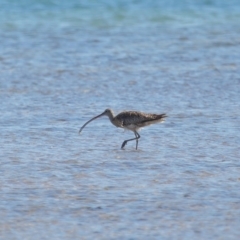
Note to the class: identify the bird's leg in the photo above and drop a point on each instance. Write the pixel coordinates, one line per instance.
(137, 136)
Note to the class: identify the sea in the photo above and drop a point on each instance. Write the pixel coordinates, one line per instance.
(64, 62)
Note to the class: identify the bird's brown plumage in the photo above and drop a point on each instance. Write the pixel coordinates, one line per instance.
(138, 119)
(131, 120)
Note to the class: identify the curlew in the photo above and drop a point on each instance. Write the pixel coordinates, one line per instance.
(130, 120)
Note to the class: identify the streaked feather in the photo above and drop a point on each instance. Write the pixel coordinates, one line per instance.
(138, 119)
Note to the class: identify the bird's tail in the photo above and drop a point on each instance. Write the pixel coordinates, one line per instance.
(156, 118)
(161, 117)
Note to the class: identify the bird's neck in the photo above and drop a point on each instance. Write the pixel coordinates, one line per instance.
(111, 116)
(113, 120)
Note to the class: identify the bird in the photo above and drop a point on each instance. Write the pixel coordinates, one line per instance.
(130, 120)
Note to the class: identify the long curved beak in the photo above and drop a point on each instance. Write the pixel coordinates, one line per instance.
(102, 114)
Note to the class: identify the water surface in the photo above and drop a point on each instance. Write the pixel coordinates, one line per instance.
(63, 63)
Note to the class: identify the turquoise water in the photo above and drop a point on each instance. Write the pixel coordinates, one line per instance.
(86, 14)
(63, 62)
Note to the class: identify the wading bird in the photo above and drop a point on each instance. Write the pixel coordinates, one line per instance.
(130, 120)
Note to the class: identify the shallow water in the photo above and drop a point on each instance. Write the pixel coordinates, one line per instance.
(62, 64)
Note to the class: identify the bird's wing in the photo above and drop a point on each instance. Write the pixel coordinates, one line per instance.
(131, 117)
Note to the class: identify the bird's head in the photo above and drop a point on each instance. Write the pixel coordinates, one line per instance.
(108, 112)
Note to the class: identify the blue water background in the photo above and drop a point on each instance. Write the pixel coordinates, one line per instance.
(63, 62)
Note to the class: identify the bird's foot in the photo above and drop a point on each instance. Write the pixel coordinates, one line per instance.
(123, 144)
